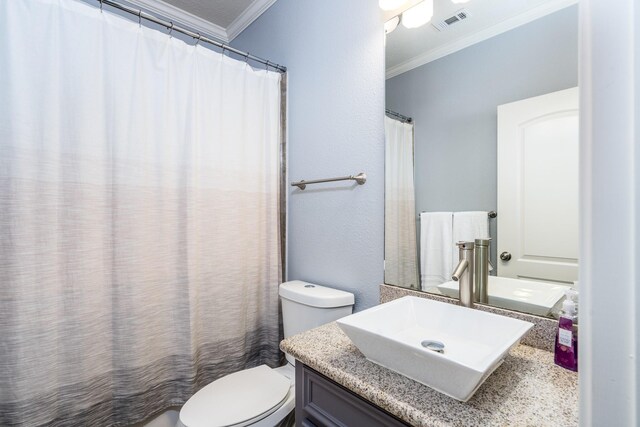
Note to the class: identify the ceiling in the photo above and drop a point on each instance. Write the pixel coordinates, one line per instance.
(409, 48)
(222, 19)
(219, 12)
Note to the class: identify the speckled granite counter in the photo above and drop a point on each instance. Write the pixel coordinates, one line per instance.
(527, 390)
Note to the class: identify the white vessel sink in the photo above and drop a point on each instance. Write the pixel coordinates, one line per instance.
(475, 342)
(515, 294)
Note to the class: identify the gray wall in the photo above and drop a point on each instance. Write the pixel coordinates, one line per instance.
(335, 55)
(453, 101)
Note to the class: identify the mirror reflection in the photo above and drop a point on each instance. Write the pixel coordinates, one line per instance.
(481, 139)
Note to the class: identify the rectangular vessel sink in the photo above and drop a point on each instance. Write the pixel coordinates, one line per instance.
(475, 342)
(516, 294)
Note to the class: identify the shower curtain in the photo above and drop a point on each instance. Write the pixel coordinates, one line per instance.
(400, 256)
(139, 216)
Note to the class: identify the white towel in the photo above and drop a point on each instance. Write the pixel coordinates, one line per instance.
(436, 241)
(468, 226)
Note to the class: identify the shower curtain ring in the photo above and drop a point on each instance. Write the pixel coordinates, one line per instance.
(198, 41)
(101, 6)
(246, 57)
(224, 47)
(266, 66)
(140, 17)
(170, 30)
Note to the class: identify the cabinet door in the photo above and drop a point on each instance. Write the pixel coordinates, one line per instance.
(321, 402)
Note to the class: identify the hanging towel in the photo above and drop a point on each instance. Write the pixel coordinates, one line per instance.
(436, 242)
(468, 226)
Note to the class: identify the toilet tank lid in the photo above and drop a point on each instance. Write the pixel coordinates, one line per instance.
(315, 295)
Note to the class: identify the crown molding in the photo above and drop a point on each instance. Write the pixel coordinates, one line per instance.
(177, 15)
(487, 33)
(408, 4)
(250, 14)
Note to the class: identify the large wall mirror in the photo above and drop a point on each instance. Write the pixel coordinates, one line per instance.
(481, 141)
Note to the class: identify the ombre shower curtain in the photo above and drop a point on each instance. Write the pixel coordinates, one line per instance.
(400, 256)
(139, 216)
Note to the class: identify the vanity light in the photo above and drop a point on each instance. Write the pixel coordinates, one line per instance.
(391, 24)
(418, 15)
(390, 4)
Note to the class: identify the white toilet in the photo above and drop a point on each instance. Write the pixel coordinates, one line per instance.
(262, 396)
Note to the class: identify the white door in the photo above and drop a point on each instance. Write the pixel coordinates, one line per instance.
(538, 188)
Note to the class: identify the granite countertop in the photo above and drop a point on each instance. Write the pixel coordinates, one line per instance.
(526, 390)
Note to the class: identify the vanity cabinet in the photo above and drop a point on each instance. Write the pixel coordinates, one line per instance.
(320, 402)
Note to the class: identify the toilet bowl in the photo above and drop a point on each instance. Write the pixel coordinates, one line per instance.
(264, 396)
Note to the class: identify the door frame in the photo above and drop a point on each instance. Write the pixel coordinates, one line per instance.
(609, 80)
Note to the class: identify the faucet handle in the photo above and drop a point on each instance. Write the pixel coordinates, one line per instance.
(467, 246)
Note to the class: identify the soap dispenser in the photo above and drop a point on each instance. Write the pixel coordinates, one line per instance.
(566, 351)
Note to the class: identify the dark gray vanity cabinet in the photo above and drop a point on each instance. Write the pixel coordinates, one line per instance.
(320, 402)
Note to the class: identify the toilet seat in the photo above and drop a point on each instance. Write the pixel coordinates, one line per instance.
(238, 399)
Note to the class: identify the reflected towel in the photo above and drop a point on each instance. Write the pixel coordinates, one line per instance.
(436, 245)
(468, 226)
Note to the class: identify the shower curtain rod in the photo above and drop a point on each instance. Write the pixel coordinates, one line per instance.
(398, 116)
(200, 38)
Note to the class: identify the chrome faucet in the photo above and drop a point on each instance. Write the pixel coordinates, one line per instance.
(463, 274)
(482, 264)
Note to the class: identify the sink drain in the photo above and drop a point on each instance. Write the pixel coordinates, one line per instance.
(436, 346)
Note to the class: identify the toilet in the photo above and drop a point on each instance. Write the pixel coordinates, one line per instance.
(262, 396)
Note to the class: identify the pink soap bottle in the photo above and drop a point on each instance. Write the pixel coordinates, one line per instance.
(566, 353)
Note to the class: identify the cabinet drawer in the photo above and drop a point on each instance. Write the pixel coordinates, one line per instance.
(321, 402)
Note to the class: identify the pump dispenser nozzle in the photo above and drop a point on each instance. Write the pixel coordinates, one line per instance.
(570, 303)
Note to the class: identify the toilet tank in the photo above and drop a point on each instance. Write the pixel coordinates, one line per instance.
(305, 306)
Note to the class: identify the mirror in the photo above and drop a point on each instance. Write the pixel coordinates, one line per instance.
(482, 116)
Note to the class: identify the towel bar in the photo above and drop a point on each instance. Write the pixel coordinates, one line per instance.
(491, 214)
(361, 178)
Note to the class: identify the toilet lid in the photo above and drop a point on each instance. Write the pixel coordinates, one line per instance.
(236, 398)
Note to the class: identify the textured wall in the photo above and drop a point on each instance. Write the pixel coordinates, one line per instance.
(335, 55)
(453, 101)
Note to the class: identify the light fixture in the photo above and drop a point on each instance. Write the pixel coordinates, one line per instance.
(390, 4)
(391, 24)
(418, 15)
